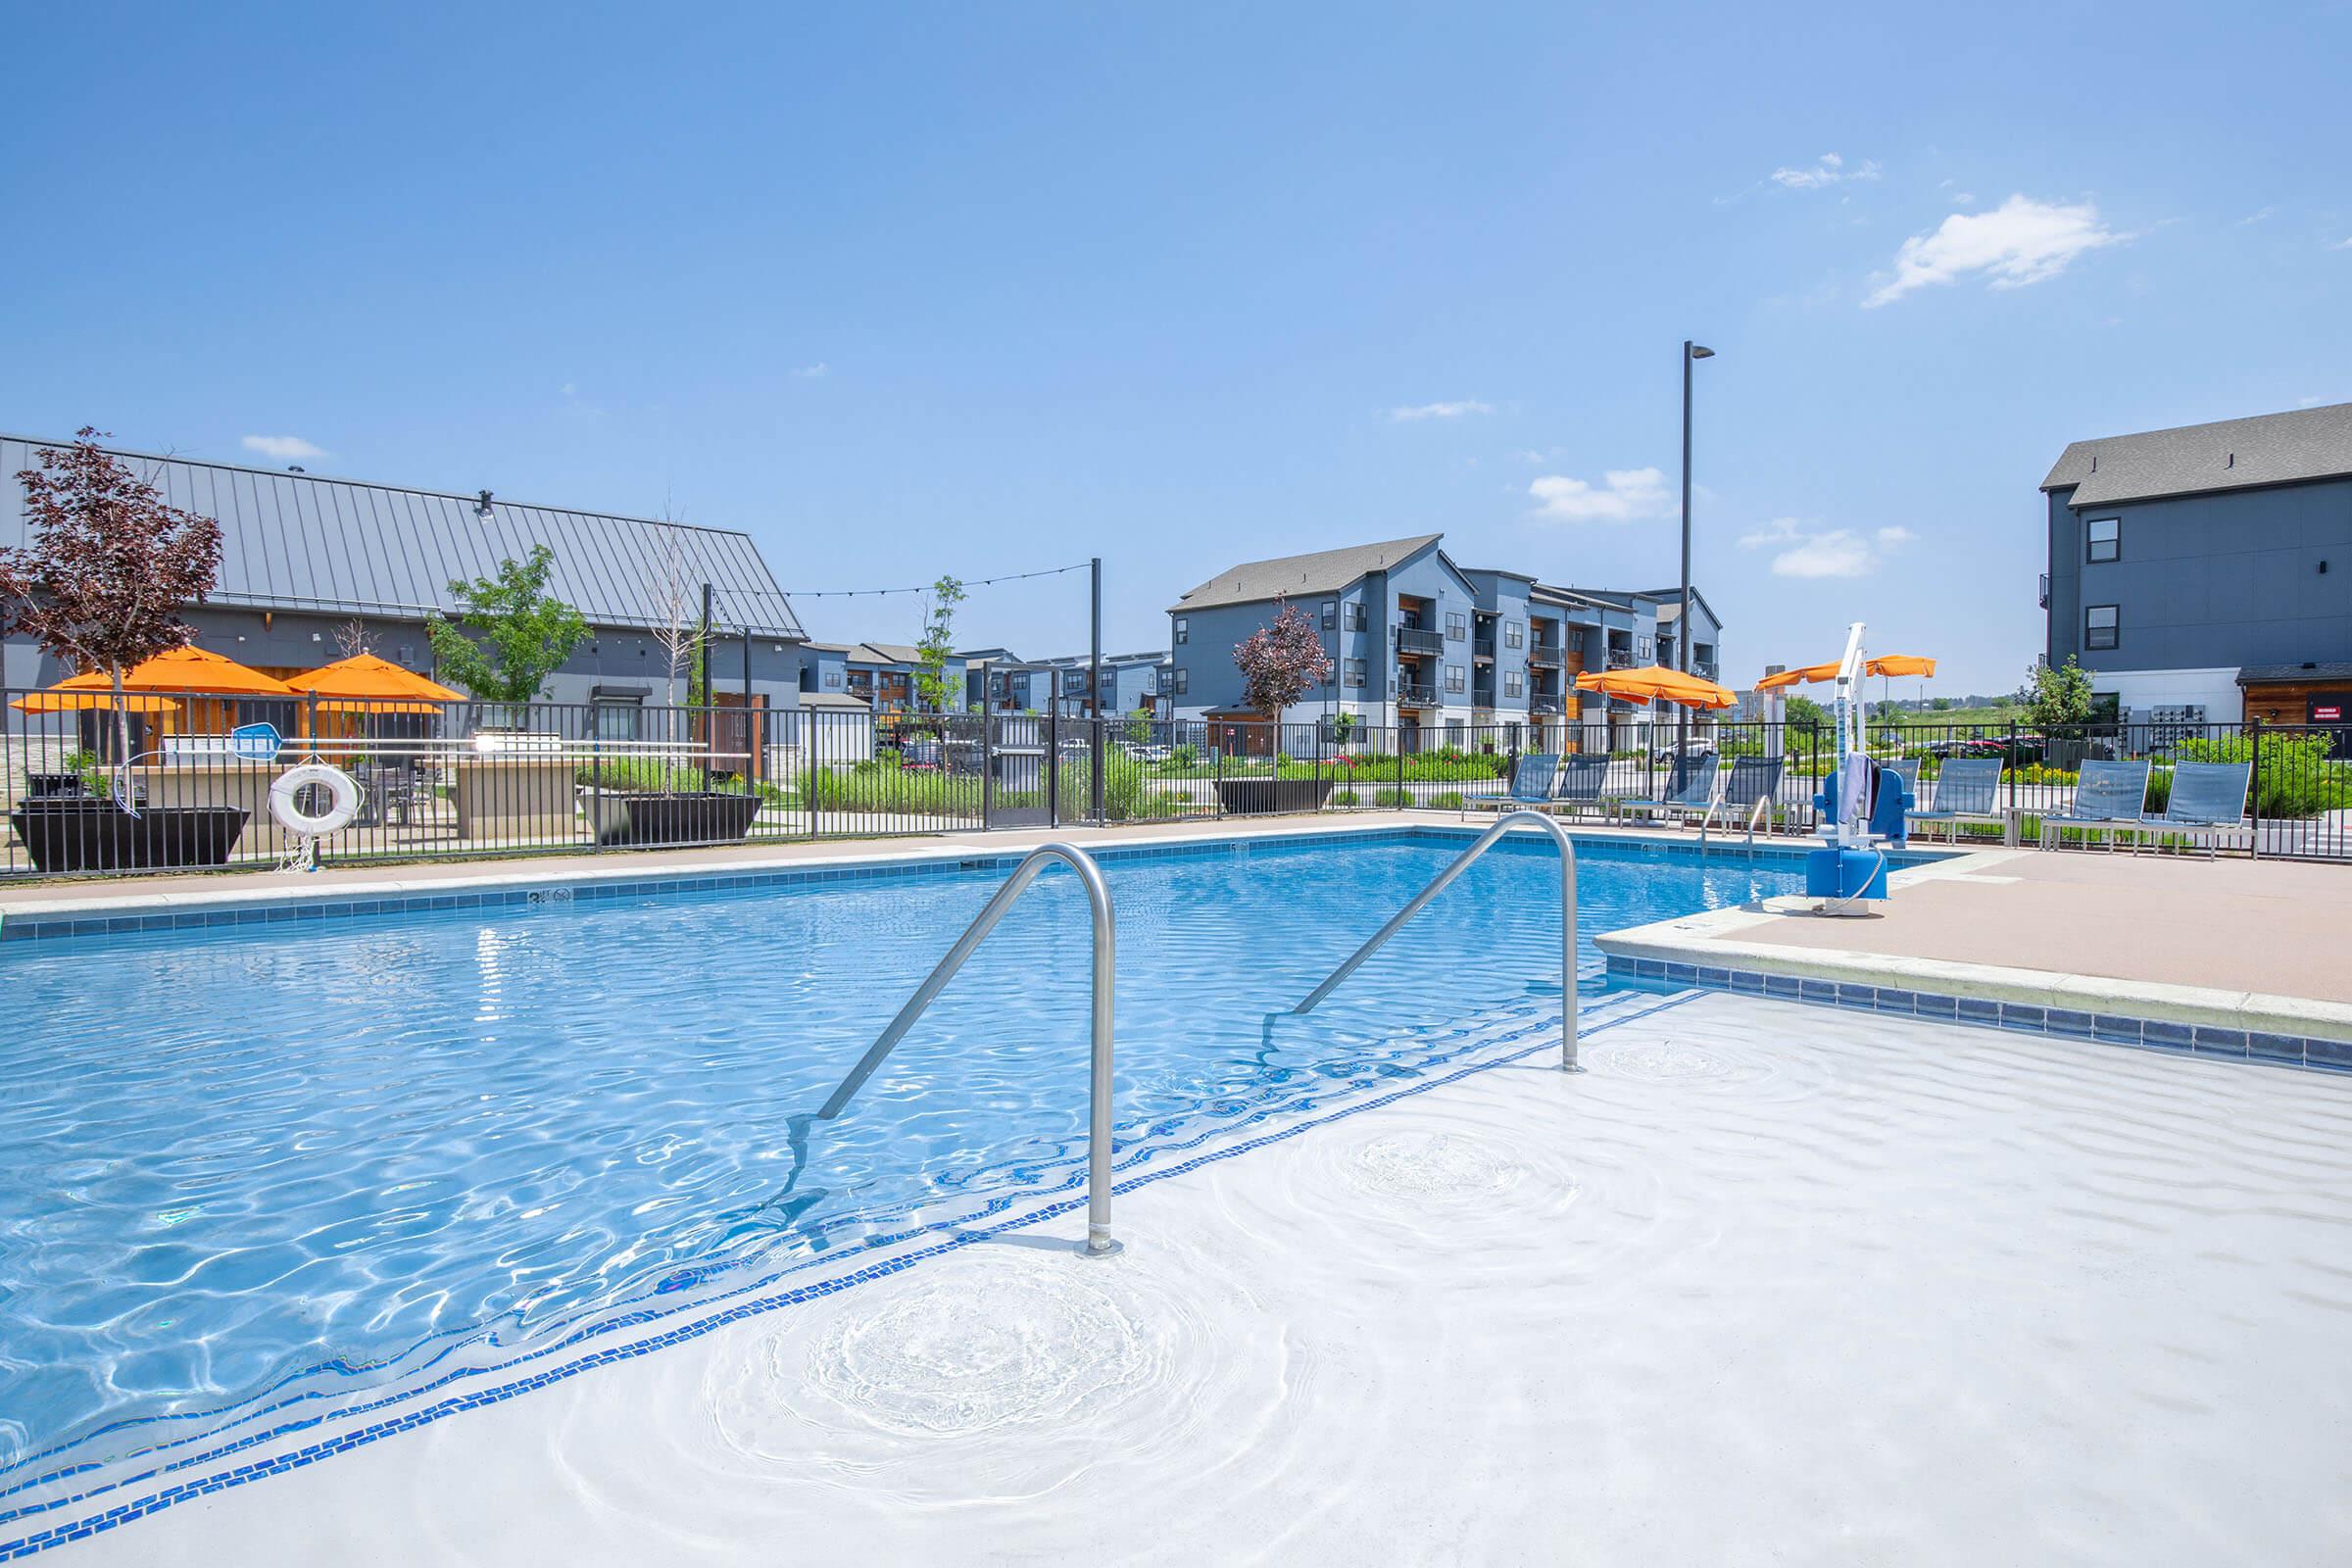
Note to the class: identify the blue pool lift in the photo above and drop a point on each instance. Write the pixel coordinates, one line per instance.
(1863, 808)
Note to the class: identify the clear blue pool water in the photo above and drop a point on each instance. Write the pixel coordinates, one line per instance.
(241, 1162)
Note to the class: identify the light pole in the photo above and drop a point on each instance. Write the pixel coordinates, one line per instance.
(1691, 353)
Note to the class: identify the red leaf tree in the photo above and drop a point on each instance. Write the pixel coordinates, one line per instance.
(107, 565)
(1281, 662)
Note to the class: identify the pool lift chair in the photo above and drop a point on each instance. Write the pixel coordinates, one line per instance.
(1864, 809)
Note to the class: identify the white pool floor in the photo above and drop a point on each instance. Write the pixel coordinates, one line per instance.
(1770, 1284)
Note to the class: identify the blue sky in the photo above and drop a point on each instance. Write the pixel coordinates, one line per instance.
(983, 288)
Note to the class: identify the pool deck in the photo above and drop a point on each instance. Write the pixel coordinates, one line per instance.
(2231, 944)
(1766, 1285)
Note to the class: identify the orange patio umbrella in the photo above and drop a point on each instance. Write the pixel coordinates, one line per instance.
(365, 683)
(57, 700)
(1654, 683)
(1887, 664)
(182, 669)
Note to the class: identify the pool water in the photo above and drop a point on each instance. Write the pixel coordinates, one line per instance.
(240, 1162)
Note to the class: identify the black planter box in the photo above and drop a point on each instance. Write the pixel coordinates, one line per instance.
(1250, 797)
(709, 816)
(68, 834)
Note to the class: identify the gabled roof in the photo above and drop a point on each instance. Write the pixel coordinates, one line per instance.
(2195, 459)
(297, 541)
(1289, 576)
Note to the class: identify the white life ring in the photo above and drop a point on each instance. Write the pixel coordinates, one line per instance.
(343, 791)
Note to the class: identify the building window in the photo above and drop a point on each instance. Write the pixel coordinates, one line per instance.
(1184, 680)
(2106, 538)
(1453, 678)
(1455, 627)
(1355, 673)
(1514, 635)
(1514, 684)
(1184, 629)
(2100, 623)
(1355, 617)
(616, 719)
(1331, 613)
(832, 681)
(1573, 640)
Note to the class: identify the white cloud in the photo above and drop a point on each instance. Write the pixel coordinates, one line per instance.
(1828, 169)
(1624, 494)
(285, 448)
(1442, 410)
(810, 373)
(1798, 551)
(2022, 241)
(2342, 245)
(2256, 217)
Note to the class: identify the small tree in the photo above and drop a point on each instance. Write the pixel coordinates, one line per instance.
(510, 632)
(938, 645)
(108, 565)
(353, 638)
(680, 633)
(2055, 695)
(1280, 662)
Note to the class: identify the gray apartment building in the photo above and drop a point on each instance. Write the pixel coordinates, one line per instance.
(305, 559)
(1437, 651)
(2204, 575)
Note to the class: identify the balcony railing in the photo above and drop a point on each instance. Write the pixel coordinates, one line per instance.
(1622, 658)
(1543, 655)
(1416, 640)
(1416, 694)
(1482, 697)
(2045, 590)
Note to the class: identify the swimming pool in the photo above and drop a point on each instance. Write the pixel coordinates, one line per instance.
(244, 1163)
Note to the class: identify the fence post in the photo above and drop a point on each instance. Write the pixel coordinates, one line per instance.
(2254, 781)
(2009, 764)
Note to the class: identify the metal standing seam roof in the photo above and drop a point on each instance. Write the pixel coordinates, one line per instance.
(1285, 576)
(300, 541)
(2314, 674)
(2193, 458)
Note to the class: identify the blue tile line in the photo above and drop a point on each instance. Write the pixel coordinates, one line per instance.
(2059, 1023)
(959, 1236)
(1482, 1029)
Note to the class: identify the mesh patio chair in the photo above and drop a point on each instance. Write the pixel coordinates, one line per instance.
(1750, 785)
(1690, 791)
(1967, 789)
(2109, 798)
(2208, 801)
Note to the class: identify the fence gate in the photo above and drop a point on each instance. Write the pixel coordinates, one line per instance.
(1022, 771)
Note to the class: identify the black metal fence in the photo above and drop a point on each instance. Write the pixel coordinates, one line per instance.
(473, 779)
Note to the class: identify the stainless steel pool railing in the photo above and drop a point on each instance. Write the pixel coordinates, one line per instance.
(1099, 1243)
(1444, 879)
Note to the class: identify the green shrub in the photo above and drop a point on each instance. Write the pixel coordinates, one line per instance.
(2296, 778)
(1448, 800)
(1344, 798)
(1392, 796)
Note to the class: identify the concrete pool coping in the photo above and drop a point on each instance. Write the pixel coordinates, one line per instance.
(1724, 948)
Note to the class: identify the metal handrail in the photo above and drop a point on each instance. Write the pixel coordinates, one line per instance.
(1444, 879)
(1099, 1243)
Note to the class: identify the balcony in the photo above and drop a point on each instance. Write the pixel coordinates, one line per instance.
(1544, 655)
(1482, 697)
(1483, 648)
(2045, 590)
(1416, 640)
(1705, 669)
(1543, 704)
(1416, 694)
(1622, 658)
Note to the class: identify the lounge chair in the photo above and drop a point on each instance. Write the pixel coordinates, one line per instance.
(1967, 789)
(2209, 801)
(1905, 769)
(1750, 787)
(1690, 791)
(2109, 798)
(1583, 782)
(1531, 786)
